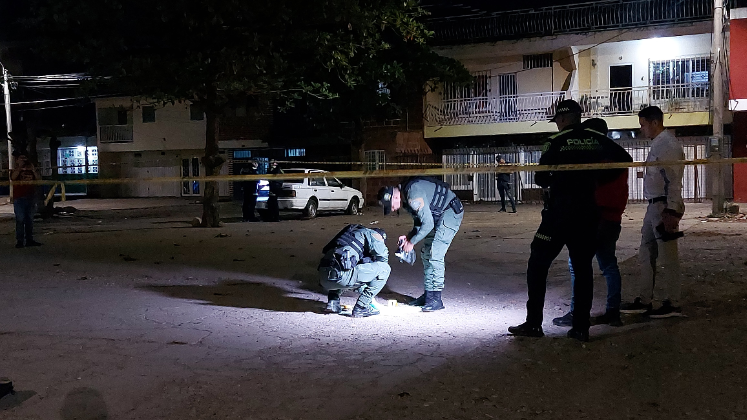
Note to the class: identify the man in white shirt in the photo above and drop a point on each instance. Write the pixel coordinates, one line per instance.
(662, 187)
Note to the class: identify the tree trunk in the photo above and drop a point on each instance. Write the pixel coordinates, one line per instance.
(212, 162)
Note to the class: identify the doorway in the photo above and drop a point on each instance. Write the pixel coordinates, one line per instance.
(191, 168)
(621, 88)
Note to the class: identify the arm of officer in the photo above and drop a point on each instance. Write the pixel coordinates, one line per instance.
(423, 217)
(542, 178)
(379, 251)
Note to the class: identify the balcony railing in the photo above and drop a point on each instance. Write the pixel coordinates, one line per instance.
(674, 98)
(598, 16)
(115, 134)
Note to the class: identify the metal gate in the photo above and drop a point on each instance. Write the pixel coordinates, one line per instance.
(695, 185)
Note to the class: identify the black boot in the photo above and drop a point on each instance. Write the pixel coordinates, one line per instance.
(333, 302)
(526, 330)
(418, 302)
(432, 301)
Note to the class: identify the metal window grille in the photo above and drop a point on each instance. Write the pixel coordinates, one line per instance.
(375, 160)
(479, 88)
(686, 77)
(295, 152)
(536, 61)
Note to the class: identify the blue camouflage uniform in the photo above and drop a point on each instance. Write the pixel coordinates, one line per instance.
(356, 259)
(438, 214)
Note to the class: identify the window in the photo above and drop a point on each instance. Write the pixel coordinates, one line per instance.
(295, 152)
(536, 61)
(149, 114)
(196, 113)
(479, 88)
(115, 116)
(77, 160)
(316, 182)
(680, 77)
(334, 182)
(242, 154)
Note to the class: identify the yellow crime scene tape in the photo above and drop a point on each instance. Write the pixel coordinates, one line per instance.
(449, 169)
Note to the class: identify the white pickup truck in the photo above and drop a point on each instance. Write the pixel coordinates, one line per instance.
(313, 192)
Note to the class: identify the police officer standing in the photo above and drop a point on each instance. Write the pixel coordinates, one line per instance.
(504, 187)
(273, 211)
(355, 259)
(250, 192)
(437, 213)
(570, 219)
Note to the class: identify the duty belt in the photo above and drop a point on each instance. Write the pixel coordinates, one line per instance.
(662, 199)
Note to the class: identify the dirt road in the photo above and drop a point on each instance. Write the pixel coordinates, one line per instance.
(133, 314)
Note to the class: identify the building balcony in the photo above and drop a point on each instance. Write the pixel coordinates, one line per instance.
(540, 107)
(576, 18)
(115, 134)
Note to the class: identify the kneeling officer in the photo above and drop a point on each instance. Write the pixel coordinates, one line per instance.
(355, 259)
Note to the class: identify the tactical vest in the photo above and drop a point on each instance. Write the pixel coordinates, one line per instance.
(438, 204)
(346, 237)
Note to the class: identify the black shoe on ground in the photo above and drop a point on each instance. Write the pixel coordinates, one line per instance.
(502, 210)
(526, 330)
(665, 311)
(333, 307)
(433, 301)
(611, 318)
(420, 301)
(635, 308)
(19, 244)
(32, 243)
(578, 334)
(564, 321)
(362, 312)
(512, 211)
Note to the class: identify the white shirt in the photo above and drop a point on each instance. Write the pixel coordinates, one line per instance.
(665, 181)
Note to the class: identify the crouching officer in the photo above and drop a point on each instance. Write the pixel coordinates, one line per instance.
(437, 213)
(355, 259)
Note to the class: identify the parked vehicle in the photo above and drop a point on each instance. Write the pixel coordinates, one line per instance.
(311, 194)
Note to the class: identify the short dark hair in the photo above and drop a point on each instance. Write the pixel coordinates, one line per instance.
(652, 113)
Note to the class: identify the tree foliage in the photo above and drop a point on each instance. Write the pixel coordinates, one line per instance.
(354, 58)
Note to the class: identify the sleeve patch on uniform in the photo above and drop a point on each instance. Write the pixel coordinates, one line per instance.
(416, 203)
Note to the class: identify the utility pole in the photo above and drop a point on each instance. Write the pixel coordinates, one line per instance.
(717, 141)
(9, 125)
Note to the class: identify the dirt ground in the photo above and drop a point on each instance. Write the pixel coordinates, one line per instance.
(127, 312)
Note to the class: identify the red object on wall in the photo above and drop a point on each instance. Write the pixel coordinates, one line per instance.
(739, 149)
(738, 59)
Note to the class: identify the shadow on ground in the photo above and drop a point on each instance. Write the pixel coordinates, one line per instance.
(14, 400)
(240, 294)
(84, 404)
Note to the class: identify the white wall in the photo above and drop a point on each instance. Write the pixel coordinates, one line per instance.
(172, 130)
(639, 52)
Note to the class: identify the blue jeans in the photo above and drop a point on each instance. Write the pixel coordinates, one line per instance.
(24, 209)
(607, 235)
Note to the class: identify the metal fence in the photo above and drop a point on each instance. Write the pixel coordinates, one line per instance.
(598, 16)
(671, 98)
(695, 184)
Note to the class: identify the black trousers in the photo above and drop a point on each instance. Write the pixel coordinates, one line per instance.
(579, 235)
(273, 211)
(504, 189)
(250, 203)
